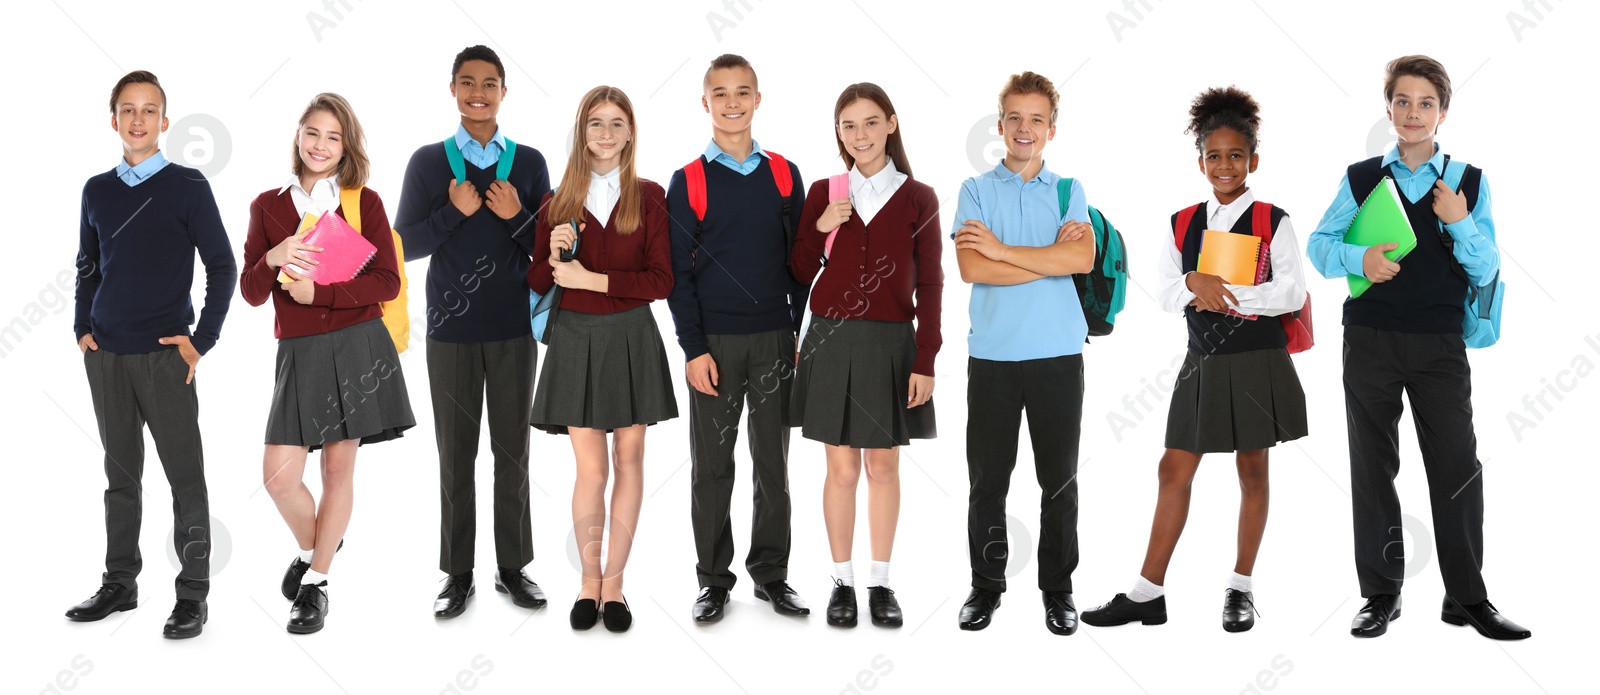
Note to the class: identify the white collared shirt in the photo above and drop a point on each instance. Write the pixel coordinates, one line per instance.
(1286, 291)
(604, 190)
(323, 196)
(869, 193)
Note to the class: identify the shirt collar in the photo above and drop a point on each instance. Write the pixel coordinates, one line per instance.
(878, 182)
(1241, 203)
(1045, 176)
(713, 151)
(1393, 155)
(322, 188)
(612, 180)
(462, 138)
(149, 166)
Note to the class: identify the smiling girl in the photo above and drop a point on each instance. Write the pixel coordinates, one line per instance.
(339, 383)
(605, 370)
(865, 379)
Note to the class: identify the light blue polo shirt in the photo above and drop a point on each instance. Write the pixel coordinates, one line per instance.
(1033, 320)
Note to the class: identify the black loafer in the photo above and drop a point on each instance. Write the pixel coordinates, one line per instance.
(309, 610)
(711, 605)
(1238, 610)
(842, 605)
(616, 616)
(186, 621)
(783, 597)
(1122, 610)
(1373, 619)
(1484, 618)
(883, 606)
(452, 601)
(296, 572)
(522, 590)
(1060, 615)
(584, 614)
(978, 611)
(110, 598)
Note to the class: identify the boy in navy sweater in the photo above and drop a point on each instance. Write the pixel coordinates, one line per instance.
(738, 312)
(141, 226)
(479, 233)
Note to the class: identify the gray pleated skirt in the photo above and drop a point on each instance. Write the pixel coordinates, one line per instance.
(1236, 402)
(603, 371)
(346, 384)
(852, 382)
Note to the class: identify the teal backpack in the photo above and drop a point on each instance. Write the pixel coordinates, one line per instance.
(1104, 289)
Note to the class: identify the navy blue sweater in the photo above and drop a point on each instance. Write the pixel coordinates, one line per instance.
(136, 250)
(739, 281)
(477, 287)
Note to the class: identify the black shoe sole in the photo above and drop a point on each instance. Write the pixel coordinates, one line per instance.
(1238, 627)
(889, 623)
(699, 620)
(305, 629)
(1153, 620)
(1463, 622)
(179, 635)
(837, 622)
(536, 603)
(97, 618)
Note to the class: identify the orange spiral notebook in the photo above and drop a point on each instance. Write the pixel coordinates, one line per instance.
(344, 251)
(1236, 258)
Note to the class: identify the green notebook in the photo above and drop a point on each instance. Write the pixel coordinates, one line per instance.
(1381, 219)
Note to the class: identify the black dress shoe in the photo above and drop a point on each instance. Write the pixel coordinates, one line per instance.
(1060, 615)
(1123, 610)
(453, 599)
(584, 614)
(617, 616)
(1374, 617)
(186, 620)
(842, 605)
(1484, 618)
(885, 610)
(296, 572)
(710, 605)
(110, 598)
(978, 611)
(783, 597)
(1238, 610)
(309, 610)
(523, 591)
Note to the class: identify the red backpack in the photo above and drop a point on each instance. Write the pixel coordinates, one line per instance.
(695, 175)
(1296, 324)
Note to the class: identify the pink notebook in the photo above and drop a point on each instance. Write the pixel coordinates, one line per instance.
(344, 252)
(838, 189)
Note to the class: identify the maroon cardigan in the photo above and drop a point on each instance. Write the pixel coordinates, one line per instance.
(638, 266)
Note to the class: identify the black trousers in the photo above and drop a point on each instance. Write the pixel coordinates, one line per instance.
(130, 392)
(756, 369)
(1051, 391)
(1433, 372)
(459, 377)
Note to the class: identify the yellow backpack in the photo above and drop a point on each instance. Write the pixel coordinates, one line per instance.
(396, 316)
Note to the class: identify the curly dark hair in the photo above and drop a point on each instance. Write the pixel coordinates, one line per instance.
(1224, 107)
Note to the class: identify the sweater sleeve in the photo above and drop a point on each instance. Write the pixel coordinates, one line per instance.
(380, 280)
(655, 280)
(806, 259)
(258, 279)
(422, 228)
(210, 239)
(88, 268)
(802, 290)
(684, 300)
(541, 277)
(521, 225)
(928, 248)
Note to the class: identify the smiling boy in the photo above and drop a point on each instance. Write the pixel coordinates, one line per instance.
(142, 224)
(478, 231)
(737, 311)
(1405, 334)
(1026, 350)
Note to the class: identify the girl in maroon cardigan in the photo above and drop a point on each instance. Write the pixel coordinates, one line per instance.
(865, 378)
(339, 383)
(605, 370)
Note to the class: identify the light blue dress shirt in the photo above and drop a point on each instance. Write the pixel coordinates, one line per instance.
(746, 167)
(134, 176)
(1474, 234)
(1033, 320)
(480, 156)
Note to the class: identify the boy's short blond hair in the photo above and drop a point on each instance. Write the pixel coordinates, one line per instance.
(1031, 83)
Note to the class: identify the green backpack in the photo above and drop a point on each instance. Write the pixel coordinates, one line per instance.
(1104, 289)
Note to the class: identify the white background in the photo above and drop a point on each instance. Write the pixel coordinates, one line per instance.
(243, 73)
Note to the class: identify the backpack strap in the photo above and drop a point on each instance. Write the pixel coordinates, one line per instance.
(350, 203)
(785, 182)
(1363, 176)
(1063, 195)
(502, 170)
(1181, 222)
(1261, 222)
(452, 154)
(694, 174)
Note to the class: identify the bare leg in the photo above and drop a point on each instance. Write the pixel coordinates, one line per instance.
(839, 499)
(282, 473)
(883, 499)
(338, 499)
(1253, 496)
(627, 493)
(1172, 512)
(589, 504)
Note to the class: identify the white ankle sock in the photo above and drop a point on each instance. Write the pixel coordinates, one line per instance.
(845, 573)
(1143, 590)
(305, 556)
(880, 574)
(1239, 582)
(314, 577)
